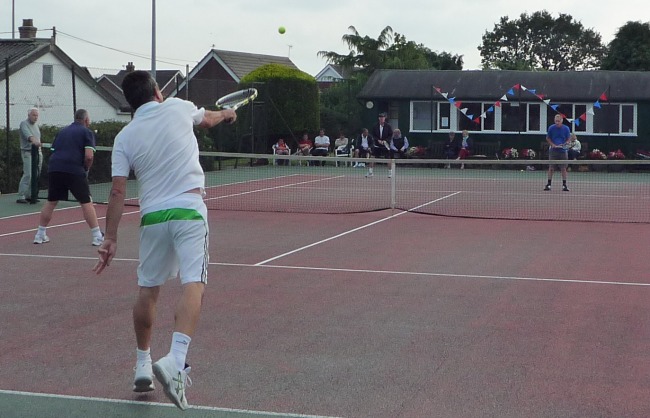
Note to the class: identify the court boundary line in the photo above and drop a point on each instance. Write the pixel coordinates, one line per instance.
(266, 189)
(313, 244)
(350, 270)
(166, 405)
(83, 221)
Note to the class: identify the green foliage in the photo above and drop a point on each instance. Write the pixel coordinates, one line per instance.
(105, 132)
(339, 108)
(291, 103)
(11, 168)
(389, 51)
(539, 42)
(630, 49)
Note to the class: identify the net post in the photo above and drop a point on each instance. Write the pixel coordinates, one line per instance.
(35, 174)
(393, 201)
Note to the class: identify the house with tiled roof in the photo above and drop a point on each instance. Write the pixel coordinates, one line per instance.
(331, 74)
(37, 73)
(168, 81)
(219, 72)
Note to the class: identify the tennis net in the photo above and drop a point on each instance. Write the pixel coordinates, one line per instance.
(600, 191)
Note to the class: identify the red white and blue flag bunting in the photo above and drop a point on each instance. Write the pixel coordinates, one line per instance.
(511, 92)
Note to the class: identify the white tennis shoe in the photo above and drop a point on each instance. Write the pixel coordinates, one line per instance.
(143, 381)
(41, 239)
(97, 241)
(172, 380)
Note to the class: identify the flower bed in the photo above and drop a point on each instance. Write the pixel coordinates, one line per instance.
(510, 153)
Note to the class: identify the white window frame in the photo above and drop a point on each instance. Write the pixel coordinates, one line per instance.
(544, 112)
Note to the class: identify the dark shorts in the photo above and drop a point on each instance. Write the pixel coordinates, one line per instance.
(380, 152)
(364, 152)
(555, 154)
(61, 183)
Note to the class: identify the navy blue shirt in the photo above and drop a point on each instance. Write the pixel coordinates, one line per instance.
(69, 149)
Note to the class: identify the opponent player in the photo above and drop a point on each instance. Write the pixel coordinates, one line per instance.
(160, 147)
(557, 137)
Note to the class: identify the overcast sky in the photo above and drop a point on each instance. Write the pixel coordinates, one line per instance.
(105, 35)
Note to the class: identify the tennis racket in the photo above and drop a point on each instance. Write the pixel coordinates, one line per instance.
(237, 99)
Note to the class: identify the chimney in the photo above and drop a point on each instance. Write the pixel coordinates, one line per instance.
(27, 30)
(130, 67)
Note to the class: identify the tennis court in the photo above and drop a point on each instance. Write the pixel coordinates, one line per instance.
(375, 313)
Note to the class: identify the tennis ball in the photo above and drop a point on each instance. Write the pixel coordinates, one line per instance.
(282, 30)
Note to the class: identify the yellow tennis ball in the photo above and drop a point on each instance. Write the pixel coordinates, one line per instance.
(282, 30)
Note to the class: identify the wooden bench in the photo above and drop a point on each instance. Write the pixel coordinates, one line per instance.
(485, 150)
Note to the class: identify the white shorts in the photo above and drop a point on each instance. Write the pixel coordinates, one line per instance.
(174, 240)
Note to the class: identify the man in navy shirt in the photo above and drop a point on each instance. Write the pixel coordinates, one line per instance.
(558, 137)
(73, 150)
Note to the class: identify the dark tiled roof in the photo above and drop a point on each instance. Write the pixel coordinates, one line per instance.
(113, 84)
(163, 77)
(242, 63)
(21, 52)
(491, 85)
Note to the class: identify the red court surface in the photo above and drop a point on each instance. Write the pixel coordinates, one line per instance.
(383, 314)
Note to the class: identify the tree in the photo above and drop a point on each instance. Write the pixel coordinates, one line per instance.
(630, 49)
(539, 42)
(290, 105)
(389, 51)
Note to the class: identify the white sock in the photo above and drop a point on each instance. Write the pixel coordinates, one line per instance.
(41, 230)
(180, 345)
(370, 170)
(97, 233)
(143, 356)
(390, 172)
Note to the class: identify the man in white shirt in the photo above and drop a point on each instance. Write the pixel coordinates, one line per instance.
(159, 146)
(321, 147)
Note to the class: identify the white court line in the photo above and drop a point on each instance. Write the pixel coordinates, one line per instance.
(352, 230)
(36, 213)
(166, 405)
(364, 271)
(251, 181)
(8, 234)
(273, 188)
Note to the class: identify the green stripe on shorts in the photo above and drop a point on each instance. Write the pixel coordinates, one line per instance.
(167, 215)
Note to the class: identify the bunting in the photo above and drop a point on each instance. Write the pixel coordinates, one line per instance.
(512, 92)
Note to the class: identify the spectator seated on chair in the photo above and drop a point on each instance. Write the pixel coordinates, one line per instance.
(342, 145)
(451, 148)
(321, 147)
(466, 145)
(304, 146)
(574, 147)
(362, 147)
(281, 148)
(398, 145)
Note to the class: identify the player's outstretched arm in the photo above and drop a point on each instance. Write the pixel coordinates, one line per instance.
(108, 249)
(215, 117)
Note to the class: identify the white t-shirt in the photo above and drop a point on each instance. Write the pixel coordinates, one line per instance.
(322, 142)
(160, 147)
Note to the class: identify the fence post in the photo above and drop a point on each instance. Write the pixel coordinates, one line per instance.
(8, 129)
(36, 172)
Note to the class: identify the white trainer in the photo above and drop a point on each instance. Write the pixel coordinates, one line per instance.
(173, 381)
(143, 381)
(41, 239)
(97, 241)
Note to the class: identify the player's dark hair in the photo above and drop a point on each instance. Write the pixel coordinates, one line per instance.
(138, 88)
